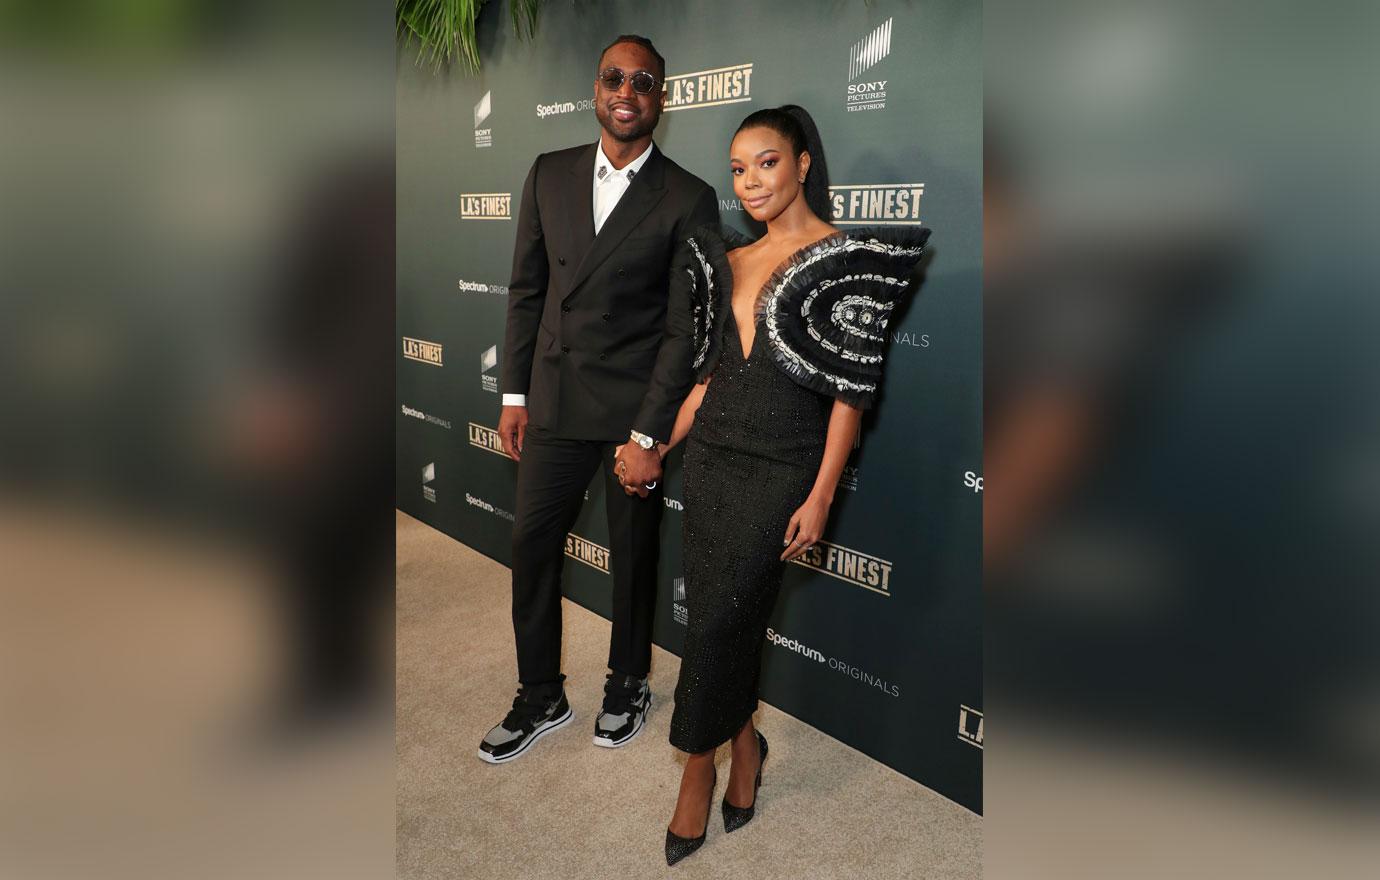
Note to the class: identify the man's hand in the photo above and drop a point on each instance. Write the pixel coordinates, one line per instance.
(512, 429)
(635, 467)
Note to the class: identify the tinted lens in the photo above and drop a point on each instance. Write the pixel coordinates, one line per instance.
(613, 80)
(643, 82)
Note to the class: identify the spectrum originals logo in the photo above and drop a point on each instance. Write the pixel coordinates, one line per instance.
(842, 667)
(425, 417)
(479, 287)
(560, 108)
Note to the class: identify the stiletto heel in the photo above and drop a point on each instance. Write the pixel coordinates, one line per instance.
(737, 817)
(678, 847)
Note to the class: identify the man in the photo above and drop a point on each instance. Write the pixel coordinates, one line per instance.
(591, 363)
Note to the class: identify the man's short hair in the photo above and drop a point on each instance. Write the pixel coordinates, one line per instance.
(644, 43)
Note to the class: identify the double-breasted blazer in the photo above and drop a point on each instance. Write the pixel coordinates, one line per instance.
(588, 339)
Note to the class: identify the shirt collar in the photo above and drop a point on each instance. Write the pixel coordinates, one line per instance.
(601, 162)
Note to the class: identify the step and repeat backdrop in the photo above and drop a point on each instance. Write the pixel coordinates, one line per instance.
(877, 639)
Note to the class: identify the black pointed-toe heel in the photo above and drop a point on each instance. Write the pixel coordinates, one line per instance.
(737, 817)
(678, 847)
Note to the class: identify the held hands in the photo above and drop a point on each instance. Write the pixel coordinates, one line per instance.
(512, 430)
(637, 468)
(805, 528)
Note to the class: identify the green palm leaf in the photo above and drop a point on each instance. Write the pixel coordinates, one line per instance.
(444, 30)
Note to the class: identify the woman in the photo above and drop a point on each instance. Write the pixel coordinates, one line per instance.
(789, 332)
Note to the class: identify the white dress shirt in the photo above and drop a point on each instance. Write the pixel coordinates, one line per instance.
(609, 185)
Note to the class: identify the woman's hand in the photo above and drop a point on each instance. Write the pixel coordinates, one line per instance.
(663, 450)
(806, 527)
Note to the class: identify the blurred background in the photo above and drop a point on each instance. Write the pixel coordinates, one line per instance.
(196, 308)
(1180, 439)
(196, 329)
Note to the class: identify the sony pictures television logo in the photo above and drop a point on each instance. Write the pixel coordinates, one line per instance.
(588, 552)
(487, 361)
(852, 566)
(680, 612)
(709, 88)
(421, 351)
(862, 55)
(429, 477)
(486, 206)
(483, 137)
(486, 439)
(969, 725)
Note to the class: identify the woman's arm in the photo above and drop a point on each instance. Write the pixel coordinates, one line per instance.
(807, 524)
(685, 417)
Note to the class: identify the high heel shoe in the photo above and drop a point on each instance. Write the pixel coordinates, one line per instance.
(678, 847)
(737, 817)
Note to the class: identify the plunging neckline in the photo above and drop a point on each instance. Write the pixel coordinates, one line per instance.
(776, 270)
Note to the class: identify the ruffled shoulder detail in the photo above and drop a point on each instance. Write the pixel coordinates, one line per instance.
(825, 310)
(702, 262)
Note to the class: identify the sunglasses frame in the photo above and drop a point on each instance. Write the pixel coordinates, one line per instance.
(623, 76)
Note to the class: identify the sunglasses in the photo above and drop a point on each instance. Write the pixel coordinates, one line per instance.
(642, 81)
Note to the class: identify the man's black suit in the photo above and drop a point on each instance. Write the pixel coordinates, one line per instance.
(589, 343)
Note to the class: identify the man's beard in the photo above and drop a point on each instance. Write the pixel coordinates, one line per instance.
(644, 125)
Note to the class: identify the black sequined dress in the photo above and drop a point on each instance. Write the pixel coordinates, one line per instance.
(755, 447)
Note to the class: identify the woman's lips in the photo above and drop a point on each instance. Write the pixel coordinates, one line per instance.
(757, 202)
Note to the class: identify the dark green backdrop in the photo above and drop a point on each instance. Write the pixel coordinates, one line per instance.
(879, 644)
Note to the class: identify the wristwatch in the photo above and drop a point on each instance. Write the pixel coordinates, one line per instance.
(642, 440)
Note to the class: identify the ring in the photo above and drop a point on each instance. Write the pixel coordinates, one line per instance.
(651, 485)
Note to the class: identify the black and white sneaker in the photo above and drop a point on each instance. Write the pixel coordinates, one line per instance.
(626, 701)
(536, 712)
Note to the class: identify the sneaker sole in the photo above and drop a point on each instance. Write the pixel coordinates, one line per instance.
(542, 731)
(612, 744)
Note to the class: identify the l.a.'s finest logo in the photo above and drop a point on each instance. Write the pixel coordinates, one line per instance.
(857, 568)
(709, 88)
(421, 351)
(486, 206)
(877, 204)
(586, 551)
(483, 137)
(969, 725)
(487, 361)
(429, 477)
(862, 55)
(487, 439)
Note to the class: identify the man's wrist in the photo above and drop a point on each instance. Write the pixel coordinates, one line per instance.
(642, 441)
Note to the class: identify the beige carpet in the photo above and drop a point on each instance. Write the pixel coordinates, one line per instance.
(571, 810)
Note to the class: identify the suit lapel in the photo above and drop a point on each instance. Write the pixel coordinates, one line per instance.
(582, 200)
(643, 194)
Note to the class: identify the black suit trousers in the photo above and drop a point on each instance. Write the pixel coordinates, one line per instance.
(551, 481)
